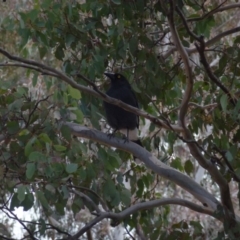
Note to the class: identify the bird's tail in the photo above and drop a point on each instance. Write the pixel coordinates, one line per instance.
(132, 135)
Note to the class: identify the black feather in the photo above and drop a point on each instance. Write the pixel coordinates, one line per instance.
(118, 118)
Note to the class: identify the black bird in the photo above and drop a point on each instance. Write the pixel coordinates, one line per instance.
(118, 118)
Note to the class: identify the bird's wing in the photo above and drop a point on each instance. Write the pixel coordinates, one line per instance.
(137, 106)
(128, 96)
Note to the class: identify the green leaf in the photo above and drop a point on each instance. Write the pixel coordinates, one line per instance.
(31, 168)
(109, 190)
(66, 132)
(188, 167)
(140, 185)
(69, 39)
(14, 202)
(79, 115)
(13, 127)
(50, 188)
(65, 192)
(21, 192)
(41, 197)
(45, 138)
(229, 156)
(71, 168)
(28, 201)
(36, 157)
(176, 163)
(133, 45)
(196, 226)
(74, 93)
(126, 197)
(224, 102)
(25, 34)
(59, 148)
(33, 14)
(29, 146)
(59, 53)
(42, 51)
(42, 38)
(82, 174)
(223, 62)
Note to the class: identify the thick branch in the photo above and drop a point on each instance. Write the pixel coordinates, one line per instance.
(139, 207)
(187, 65)
(56, 73)
(195, 151)
(149, 160)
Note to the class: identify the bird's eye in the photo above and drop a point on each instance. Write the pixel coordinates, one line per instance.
(118, 76)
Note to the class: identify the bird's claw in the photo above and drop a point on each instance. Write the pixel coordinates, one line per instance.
(125, 138)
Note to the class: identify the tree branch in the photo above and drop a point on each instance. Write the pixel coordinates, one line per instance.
(56, 73)
(149, 160)
(142, 206)
(201, 49)
(194, 150)
(187, 65)
(88, 199)
(14, 216)
(207, 44)
(217, 9)
(7, 64)
(104, 205)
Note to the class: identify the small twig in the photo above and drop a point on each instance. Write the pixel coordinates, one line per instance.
(131, 236)
(219, 8)
(207, 43)
(44, 72)
(185, 24)
(139, 232)
(201, 49)
(34, 109)
(230, 168)
(88, 199)
(14, 216)
(91, 83)
(104, 205)
(221, 35)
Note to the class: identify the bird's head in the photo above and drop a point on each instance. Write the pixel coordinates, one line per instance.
(117, 79)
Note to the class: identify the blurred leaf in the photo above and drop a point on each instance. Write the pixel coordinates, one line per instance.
(42, 199)
(71, 168)
(224, 102)
(176, 163)
(59, 148)
(188, 167)
(31, 168)
(74, 93)
(29, 146)
(21, 193)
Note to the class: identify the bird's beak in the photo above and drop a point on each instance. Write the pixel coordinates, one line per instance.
(109, 75)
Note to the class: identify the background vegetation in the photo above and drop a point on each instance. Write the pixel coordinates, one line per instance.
(57, 163)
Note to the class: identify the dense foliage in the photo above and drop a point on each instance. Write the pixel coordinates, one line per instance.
(181, 58)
